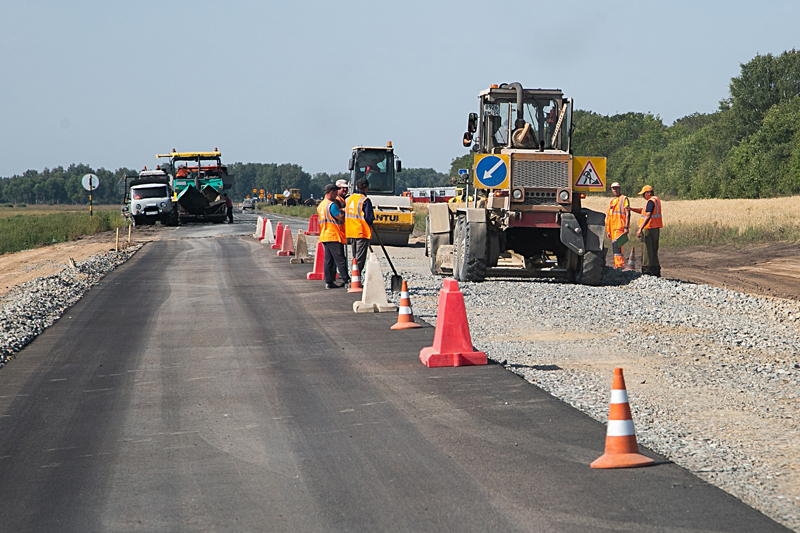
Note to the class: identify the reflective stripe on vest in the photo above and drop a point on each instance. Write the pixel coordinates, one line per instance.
(655, 219)
(617, 217)
(330, 229)
(355, 225)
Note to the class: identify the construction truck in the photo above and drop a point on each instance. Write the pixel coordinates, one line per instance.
(526, 219)
(459, 197)
(289, 197)
(394, 216)
(198, 180)
(148, 199)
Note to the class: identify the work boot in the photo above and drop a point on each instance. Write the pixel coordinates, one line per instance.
(333, 285)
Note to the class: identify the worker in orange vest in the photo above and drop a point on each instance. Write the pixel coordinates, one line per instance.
(618, 223)
(359, 217)
(649, 230)
(182, 172)
(332, 237)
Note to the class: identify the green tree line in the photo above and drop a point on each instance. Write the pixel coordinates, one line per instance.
(748, 148)
(63, 186)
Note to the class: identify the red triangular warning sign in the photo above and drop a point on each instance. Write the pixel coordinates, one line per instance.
(589, 177)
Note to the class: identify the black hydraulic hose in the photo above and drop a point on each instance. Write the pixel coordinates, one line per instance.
(520, 110)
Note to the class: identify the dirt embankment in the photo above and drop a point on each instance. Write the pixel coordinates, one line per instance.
(767, 270)
(20, 267)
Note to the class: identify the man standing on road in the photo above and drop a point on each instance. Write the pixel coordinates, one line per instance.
(341, 196)
(332, 237)
(228, 207)
(618, 223)
(649, 229)
(358, 222)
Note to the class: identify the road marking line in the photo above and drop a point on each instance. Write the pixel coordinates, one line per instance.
(96, 390)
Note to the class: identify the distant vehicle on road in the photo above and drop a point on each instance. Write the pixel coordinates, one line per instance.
(198, 180)
(248, 203)
(148, 199)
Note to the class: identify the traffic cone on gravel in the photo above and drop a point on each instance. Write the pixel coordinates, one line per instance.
(267, 236)
(355, 279)
(278, 236)
(631, 264)
(405, 317)
(452, 344)
(319, 263)
(313, 225)
(287, 245)
(622, 451)
(259, 233)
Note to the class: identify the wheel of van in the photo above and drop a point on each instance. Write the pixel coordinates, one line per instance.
(465, 269)
(592, 268)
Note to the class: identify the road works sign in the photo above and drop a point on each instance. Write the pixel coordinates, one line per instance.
(491, 171)
(588, 174)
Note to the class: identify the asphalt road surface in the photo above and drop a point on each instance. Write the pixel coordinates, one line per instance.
(206, 385)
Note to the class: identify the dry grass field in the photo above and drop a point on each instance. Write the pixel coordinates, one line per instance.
(715, 221)
(40, 209)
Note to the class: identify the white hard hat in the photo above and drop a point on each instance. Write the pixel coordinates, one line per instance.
(615, 184)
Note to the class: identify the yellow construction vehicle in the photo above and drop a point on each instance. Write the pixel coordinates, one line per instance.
(394, 216)
(529, 220)
(292, 198)
(459, 197)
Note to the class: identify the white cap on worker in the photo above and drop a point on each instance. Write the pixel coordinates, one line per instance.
(342, 184)
(615, 184)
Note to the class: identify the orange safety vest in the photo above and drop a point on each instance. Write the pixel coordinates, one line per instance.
(355, 225)
(330, 230)
(617, 217)
(655, 219)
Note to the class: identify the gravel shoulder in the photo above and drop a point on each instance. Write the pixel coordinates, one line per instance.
(713, 374)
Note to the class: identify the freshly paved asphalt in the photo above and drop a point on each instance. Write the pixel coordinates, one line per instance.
(206, 385)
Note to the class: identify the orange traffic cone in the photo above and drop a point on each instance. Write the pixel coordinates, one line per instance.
(621, 448)
(278, 236)
(287, 246)
(313, 225)
(319, 263)
(355, 279)
(405, 318)
(631, 264)
(452, 344)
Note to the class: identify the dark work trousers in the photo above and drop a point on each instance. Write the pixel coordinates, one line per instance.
(334, 259)
(650, 264)
(360, 248)
(230, 214)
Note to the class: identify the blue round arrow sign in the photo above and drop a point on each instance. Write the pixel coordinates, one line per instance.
(491, 171)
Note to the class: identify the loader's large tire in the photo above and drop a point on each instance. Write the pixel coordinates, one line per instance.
(465, 269)
(592, 268)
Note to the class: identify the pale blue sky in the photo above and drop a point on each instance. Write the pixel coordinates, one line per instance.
(111, 84)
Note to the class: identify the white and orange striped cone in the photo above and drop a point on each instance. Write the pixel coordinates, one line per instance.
(405, 317)
(631, 264)
(622, 451)
(355, 279)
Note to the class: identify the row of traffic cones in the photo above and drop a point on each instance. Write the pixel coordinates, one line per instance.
(452, 344)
